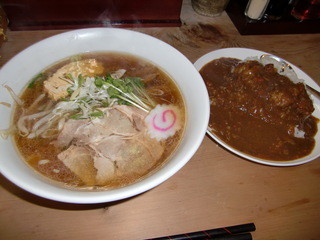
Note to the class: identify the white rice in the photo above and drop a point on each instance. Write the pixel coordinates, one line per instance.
(282, 68)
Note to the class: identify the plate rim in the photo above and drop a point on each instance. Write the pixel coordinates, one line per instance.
(231, 52)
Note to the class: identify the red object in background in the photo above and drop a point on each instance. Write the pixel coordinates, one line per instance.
(61, 14)
(306, 9)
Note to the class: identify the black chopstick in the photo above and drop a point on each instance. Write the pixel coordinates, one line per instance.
(238, 232)
(240, 236)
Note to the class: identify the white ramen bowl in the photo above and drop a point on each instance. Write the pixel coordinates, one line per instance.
(21, 68)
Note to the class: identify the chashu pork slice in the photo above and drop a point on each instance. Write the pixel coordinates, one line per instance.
(118, 143)
(132, 155)
(105, 170)
(79, 161)
(91, 169)
(56, 86)
(119, 120)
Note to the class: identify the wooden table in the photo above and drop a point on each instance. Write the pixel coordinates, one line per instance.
(215, 188)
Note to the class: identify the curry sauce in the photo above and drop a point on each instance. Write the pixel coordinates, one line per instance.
(258, 111)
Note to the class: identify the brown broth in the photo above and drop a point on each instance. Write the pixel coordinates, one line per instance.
(34, 150)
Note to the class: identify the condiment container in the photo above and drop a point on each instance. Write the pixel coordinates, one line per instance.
(209, 8)
(255, 9)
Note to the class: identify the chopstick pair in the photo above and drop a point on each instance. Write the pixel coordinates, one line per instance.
(238, 232)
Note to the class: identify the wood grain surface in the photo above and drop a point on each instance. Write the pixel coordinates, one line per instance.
(214, 189)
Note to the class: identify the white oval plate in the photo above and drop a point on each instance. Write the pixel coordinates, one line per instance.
(243, 53)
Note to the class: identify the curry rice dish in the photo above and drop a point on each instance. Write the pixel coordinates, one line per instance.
(258, 111)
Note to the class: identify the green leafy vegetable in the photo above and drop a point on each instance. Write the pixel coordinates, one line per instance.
(81, 80)
(69, 90)
(113, 92)
(69, 76)
(89, 94)
(75, 58)
(34, 80)
(76, 116)
(98, 113)
(99, 82)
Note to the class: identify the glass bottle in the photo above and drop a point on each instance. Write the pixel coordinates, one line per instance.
(255, 9)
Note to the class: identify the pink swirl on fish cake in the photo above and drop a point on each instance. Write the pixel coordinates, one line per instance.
(163, 119)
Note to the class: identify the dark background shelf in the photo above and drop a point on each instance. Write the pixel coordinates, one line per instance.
(286, 25)
(62, 14)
